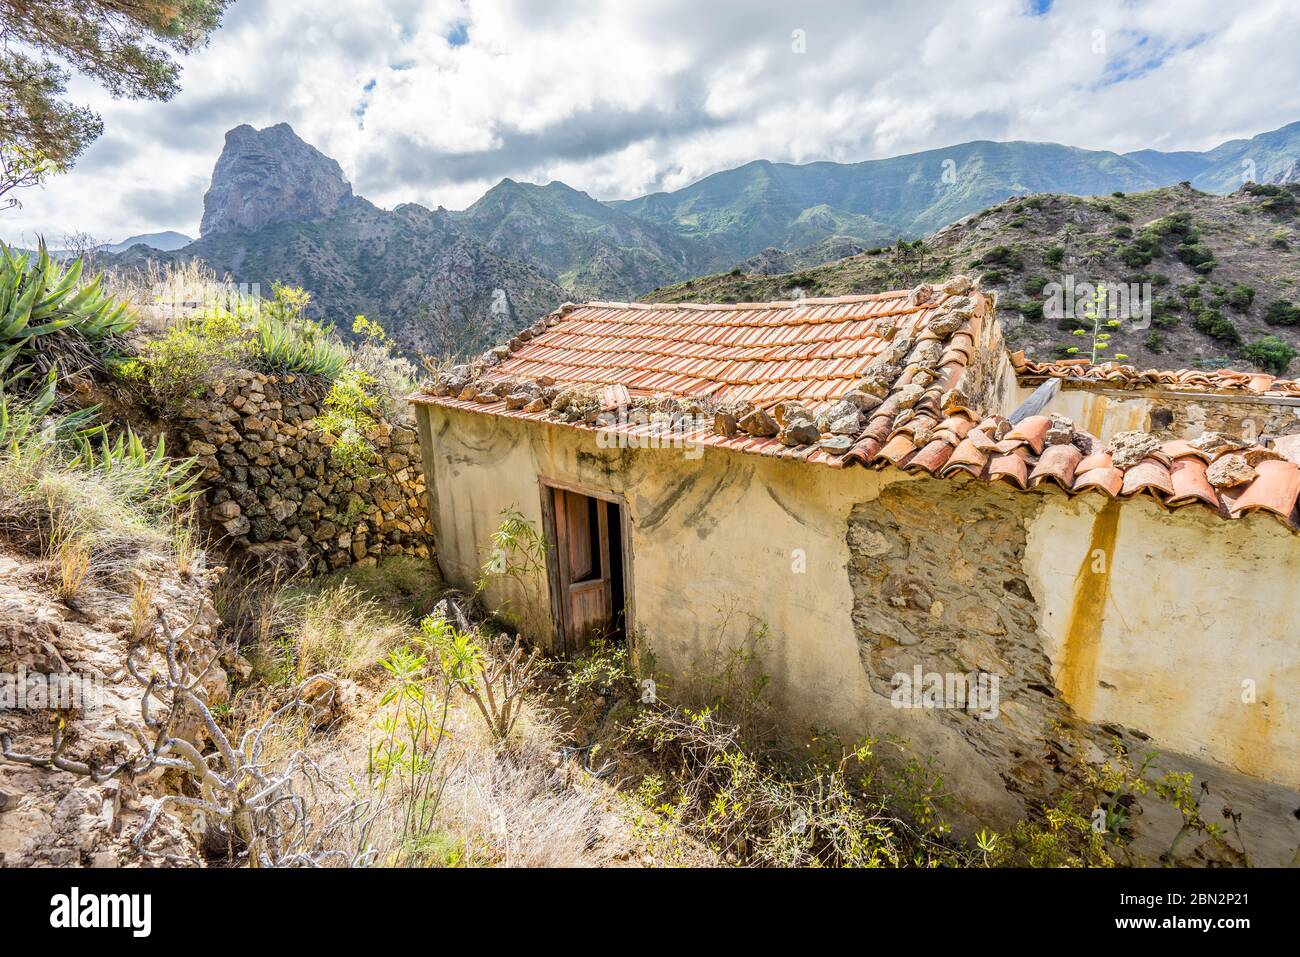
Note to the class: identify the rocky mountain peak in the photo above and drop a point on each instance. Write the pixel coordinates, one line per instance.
(270, 176)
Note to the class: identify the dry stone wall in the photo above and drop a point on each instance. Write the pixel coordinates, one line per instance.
(271, 490)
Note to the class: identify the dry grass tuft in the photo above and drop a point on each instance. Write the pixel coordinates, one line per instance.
(142, 612)
(344, 633)
(72, 560)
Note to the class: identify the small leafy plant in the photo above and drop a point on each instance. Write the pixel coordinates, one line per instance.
(495, 682)
(350, 418)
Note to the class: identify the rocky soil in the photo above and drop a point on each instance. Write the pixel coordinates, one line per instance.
(56, 818)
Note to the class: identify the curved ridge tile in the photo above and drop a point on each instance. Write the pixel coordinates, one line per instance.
(1149, 475)
(1187, 475)
(1032, 430)
(1273, 490)
(1106, 479)
(1057, 464)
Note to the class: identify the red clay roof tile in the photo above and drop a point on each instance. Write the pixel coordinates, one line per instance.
(1190, 484)
(1274, 490)
(1032, 430)
(1056, 464)
(968, 456)
(1010, 468)
(1149, 475)
(1123, 376)
(1105, 478)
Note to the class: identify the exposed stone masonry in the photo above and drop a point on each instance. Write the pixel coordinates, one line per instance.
(938, 581)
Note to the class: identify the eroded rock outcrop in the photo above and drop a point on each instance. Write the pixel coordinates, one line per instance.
(270, 176)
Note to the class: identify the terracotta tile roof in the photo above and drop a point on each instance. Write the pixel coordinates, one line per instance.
(920, 420)
(812, 350)
(1127, 377)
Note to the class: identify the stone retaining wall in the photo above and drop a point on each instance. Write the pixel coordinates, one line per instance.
(271, 490)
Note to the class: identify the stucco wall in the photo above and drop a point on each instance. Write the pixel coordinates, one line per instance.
(855, 574)
(1155, 620)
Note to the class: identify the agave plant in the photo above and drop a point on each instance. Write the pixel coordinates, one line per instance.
(298, 347)
(137, 474)
(31, 428)
(38, 297)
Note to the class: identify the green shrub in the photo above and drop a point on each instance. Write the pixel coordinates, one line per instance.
(1175, 224)
(1271, 354)
(1240, 297)
(196, 352)
(1155, 342)
(349, 417)
(1195, 254)
(1003, 256)
(1032, 310)
(1054, 256)
(187, 359)
(1282, 312)
(1135, 255)
(1281, 202)
(1164, 312)
(1217, 326)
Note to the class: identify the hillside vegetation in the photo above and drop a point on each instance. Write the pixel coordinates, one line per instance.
(1224, 271)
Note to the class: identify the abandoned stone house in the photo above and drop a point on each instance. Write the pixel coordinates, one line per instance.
(852, 489)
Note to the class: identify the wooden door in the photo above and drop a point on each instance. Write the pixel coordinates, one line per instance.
(582, 556)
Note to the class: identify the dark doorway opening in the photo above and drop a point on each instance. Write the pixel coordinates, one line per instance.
(587, 565)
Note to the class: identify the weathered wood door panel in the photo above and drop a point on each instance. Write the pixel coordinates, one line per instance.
(581, 554)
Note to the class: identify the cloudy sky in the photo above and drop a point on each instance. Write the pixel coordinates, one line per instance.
(433, 101)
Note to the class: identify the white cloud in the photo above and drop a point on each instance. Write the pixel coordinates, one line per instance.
(620, 98)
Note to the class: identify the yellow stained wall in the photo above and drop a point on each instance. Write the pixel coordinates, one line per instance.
(1165, 622)
(1099, 414)
(1187, 606)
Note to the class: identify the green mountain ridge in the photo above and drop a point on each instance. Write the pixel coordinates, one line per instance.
(523, 248)
(435, 289)
(593, 250)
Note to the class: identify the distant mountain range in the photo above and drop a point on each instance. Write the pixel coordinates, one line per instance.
(164, 241)
(278, 209)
